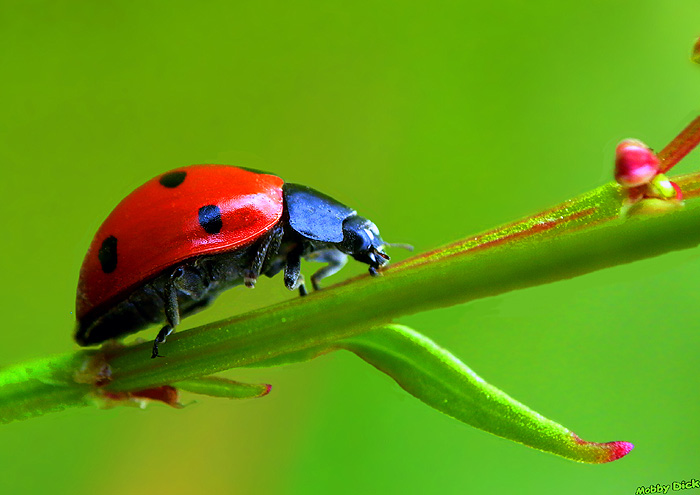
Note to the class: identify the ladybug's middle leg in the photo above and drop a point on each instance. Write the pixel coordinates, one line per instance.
(292, 270)
(267, 248)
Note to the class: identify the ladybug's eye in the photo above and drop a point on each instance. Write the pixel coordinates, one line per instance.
(361, 241)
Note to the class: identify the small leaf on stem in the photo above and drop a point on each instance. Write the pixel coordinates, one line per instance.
(438, 378)
(215, 386)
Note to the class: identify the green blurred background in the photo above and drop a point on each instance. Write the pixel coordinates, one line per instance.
(436, 120)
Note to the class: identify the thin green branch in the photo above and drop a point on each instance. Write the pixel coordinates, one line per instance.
(681, 145)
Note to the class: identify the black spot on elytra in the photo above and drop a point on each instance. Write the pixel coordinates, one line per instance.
(210, 219)
(108, 254)
(172, 179)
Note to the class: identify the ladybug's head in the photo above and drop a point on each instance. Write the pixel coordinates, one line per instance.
(362, 241)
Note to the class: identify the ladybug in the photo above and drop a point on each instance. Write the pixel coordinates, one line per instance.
(178, 241)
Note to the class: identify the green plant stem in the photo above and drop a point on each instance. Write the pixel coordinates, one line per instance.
(42, 386)
(579, 236)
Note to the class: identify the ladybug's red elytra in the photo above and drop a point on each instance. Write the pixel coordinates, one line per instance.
(178, 241)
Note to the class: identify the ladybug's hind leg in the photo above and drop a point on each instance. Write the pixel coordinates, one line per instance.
(267, 249)
(335, 259)
(172, 315)
(189, 281)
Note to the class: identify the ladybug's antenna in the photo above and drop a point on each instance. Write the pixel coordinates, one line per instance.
(401, 245)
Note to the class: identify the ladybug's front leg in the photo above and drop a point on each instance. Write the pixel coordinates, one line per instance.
(335, 259)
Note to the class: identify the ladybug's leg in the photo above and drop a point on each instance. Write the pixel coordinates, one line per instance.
(172, 314)
(335, 259)
(267, 248)
(292, 271)
(189, 281)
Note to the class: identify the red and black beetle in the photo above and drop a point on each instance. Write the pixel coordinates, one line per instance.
(178, 241)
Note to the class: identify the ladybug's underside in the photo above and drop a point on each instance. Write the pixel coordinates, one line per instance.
(206, 277)
(201, 280)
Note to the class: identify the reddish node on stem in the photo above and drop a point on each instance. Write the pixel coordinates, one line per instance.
(680, 146)
(635, 163)
(165, 394)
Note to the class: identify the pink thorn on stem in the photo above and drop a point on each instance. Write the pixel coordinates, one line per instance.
(680, 146)
(617, 450)
(608, 451)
